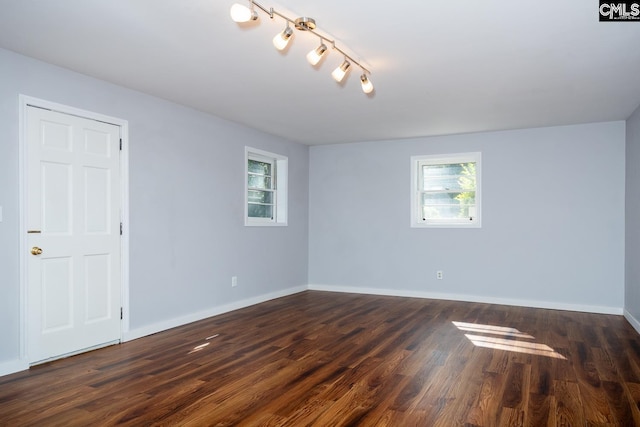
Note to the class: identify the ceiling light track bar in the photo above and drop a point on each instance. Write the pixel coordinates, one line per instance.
(272, 12)
(241, 13)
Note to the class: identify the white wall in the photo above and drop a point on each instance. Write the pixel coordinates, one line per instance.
(632, 252)
(552, 228)
(186, 204)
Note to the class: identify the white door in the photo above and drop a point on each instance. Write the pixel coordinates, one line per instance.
(73, 226)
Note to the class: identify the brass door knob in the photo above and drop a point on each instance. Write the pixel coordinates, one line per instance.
(36, 250)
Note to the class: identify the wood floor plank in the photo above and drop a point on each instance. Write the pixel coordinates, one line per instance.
(540, 410)
(328, 359)
(485, 410)
(622, 413)
(568, 404)
(632, 391)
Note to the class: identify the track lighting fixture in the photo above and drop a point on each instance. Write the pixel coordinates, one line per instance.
(241, 13)
(367, 86)
(281, 40)
(316, 54)
(339, 73)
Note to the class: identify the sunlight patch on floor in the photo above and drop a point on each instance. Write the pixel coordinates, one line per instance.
(489, 329)
(512, 344)
(204, 345)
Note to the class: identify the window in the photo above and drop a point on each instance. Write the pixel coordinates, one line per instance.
(445, 190)
(266, 188)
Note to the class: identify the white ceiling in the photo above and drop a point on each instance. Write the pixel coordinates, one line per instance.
(439, 67)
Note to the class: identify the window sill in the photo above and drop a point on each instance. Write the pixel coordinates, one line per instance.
(448, 225)
(264, 224)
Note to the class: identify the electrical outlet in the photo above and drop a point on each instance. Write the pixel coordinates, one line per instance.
(439, 274)
(234, 281)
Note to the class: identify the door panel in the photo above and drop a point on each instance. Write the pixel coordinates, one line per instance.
(56, 198)
(57, 294)
(97, 200)
(73, 205)
(98, 275)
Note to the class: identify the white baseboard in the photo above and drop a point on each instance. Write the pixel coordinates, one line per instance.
(13, 366)
(632, 320)
(194, 317)
(470, 298)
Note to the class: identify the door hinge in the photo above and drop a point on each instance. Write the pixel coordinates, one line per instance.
(120, 144)
(121, 229)
(120, 313)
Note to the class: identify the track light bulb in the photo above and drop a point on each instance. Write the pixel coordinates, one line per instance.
(339, 73)
(281, 40)
(241, 13)
(367, 86)
(316, 54)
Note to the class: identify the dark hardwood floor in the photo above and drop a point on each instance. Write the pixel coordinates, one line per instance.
(328, 359)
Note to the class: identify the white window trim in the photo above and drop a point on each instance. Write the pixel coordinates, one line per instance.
(416, 215)
(281, 188)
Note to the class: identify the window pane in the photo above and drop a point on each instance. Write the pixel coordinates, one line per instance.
(260, 211)
(262, 168)
(448, 212)
(257, 196)
(442, 183)
(258, 181)
(444, 169)
(448, 205)
(456, 176)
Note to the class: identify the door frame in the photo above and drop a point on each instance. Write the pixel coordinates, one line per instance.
(24, 103)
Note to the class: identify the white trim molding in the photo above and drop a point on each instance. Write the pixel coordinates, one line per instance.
(194, 317)
(470, 298)
(13, 366)
(632, 320)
